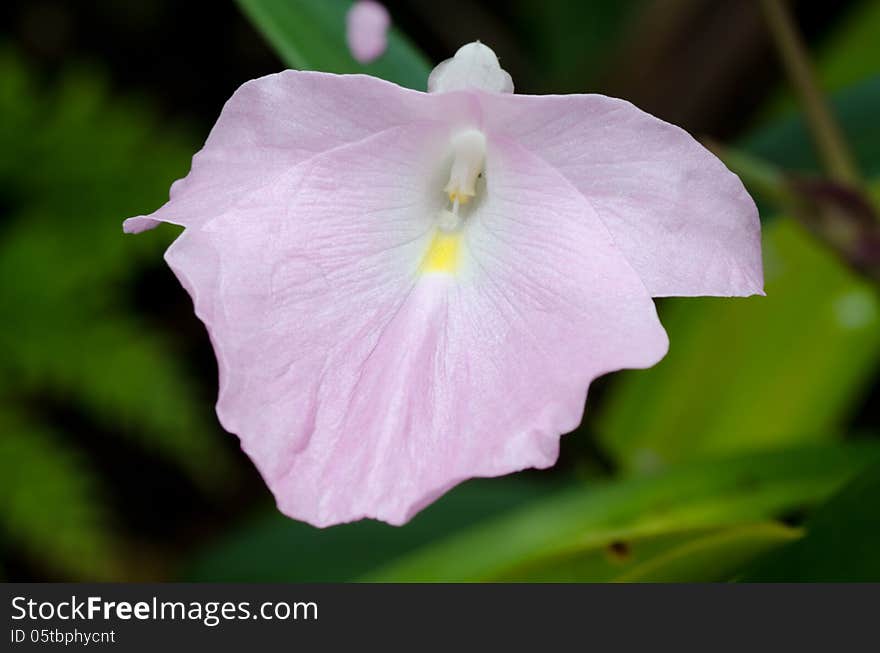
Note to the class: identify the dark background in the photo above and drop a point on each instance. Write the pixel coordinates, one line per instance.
(706, 65)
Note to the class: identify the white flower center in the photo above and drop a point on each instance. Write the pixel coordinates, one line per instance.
(469, 159)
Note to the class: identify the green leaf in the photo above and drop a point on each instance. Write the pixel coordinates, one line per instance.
(692, 556)
(713, 494)
(842, 542)
(715, 556)
(50, 507)
(310, 35)
(273, 548)
(753, 373)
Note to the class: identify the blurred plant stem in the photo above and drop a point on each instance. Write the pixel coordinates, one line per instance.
(826, 133)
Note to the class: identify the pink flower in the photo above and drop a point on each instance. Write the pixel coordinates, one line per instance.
(367, 25)
(405, 290)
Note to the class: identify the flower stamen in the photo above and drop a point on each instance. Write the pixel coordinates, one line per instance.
(469, 149)
(469, 157)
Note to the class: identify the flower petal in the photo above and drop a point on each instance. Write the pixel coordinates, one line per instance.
(362, 386)
(367, 25)
(275, 122)
(682, 219)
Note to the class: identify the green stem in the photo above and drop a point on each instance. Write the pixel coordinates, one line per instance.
(827, 135)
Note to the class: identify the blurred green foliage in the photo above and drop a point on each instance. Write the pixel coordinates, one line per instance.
(842, 542)
(752, 374)
(569, 529)
(689, 557)
(74, 163)
(504, 530)
(561, 60)
(270, 547)
(846, 58)
(787, 143)
(50, 503)
(310, 35)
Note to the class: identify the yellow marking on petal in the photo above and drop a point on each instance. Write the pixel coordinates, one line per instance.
(443, 253)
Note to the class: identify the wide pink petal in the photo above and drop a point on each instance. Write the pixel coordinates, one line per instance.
(682, 219)
(367, 25)
(275, 122)
(364, 388)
